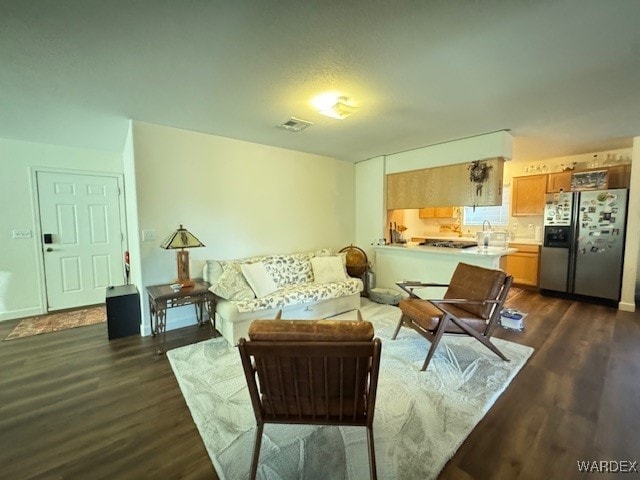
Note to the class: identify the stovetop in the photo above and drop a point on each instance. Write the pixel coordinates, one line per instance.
(448, 243)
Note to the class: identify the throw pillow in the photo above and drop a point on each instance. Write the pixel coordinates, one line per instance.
(258, 278)
(230, 284)
(212, 271)
(328, 269)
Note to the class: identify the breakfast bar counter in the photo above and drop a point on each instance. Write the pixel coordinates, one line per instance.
(394, 263)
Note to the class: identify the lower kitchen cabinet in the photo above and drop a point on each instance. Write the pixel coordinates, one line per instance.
(523, 265)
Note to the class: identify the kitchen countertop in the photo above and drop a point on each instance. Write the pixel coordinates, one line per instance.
(460, 252)
(526, 241)
(466, 238)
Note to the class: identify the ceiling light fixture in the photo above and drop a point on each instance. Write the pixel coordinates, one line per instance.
(334, 106)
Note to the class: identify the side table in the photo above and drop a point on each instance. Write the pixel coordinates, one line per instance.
(162, 297)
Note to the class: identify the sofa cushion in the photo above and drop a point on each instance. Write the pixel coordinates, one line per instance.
(228, 282)
(292, 269)
(300, 294)
(328, 269)
(258, 278)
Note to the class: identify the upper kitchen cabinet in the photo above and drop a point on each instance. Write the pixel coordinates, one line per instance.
(560, 181)
(407, 189)
(436, 212)
(449, 185)
(619, 176)
(528, 195)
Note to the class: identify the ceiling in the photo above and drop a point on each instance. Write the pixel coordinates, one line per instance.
(562, 75)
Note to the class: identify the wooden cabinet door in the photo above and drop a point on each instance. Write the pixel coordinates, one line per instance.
(559, 181)
(528, 195)
(619, 176)
(436, 212)
(523, 265)
(443, 212)
(427, 212)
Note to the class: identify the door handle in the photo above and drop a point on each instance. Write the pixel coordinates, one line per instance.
(49, 249)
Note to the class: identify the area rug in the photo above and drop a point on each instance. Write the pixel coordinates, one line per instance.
(54, 322)
(421, 417)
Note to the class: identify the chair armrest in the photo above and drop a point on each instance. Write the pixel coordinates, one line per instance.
(410, 286)
(463, 300)
(439, 304)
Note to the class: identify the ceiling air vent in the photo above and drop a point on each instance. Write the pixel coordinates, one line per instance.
(295, 124)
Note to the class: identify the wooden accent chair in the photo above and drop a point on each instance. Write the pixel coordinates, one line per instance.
(322, 372)
(471, 306)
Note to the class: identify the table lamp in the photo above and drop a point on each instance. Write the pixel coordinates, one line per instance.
(179, 240)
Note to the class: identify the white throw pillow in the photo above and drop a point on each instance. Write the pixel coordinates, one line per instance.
(258, 278)
(228, 282)
(328, 269)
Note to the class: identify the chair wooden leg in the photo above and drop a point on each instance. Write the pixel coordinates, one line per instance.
(400, 322)
(487, 343)
(435, 340)
(256, 452)
(372, 454)
(481, 338)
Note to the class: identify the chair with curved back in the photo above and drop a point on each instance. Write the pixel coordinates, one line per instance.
(322, 372)
(471, 306)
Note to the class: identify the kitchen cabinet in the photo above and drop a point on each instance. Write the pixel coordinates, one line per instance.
(528, 195)
(619, 176)
(560, 181)
(523, 265)
(407, 189)
(436, 212)
(445, 185)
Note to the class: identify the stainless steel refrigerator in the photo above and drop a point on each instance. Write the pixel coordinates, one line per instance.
(583, 243)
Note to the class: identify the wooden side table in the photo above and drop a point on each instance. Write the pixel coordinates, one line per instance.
(162, 297)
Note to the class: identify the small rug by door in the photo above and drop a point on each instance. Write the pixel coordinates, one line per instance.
(421, 417)
(54, 322)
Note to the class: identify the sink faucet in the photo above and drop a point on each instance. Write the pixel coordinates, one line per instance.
(485, 224)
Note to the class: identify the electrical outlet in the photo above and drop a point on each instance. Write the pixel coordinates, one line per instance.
(21, 234)
(148, 235)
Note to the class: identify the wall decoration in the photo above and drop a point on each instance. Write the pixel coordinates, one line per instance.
(592, 180)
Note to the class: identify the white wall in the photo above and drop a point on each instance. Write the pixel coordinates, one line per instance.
(630, 280)
(238, 198)
(23, 258)
(496, 144)
(370, 203)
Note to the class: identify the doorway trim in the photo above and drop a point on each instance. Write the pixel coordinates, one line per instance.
(33, 178)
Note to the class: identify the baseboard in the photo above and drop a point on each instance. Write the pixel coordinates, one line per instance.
(627, 307)
(26, 312)
(184, 320)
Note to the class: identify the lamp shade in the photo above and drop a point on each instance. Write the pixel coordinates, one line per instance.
(181, 238)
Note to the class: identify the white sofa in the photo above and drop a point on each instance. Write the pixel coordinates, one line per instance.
(298, 293)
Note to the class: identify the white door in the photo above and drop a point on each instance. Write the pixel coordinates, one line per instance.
(81, 214)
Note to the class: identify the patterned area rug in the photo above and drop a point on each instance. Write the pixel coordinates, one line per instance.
(421, 417)
(54, 322)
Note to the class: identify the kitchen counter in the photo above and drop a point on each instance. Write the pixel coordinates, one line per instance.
(461, 252)
(526, 241)
(394, 263)
(467, 238)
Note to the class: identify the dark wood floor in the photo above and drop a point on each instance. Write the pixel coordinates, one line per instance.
(74, 405)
